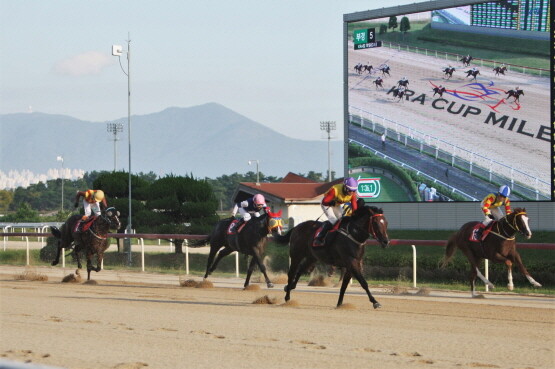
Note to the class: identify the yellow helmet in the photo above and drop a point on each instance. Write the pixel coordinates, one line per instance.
(99, 195)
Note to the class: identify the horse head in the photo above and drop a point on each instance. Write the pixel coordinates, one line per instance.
(111, 216)
(275, 223)
(519, 222)
(377, 226)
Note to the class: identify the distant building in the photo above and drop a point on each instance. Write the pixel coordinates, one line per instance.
(296, 196)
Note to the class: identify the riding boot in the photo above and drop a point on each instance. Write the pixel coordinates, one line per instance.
(319, 240)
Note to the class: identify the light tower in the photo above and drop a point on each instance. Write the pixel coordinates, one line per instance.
(115, 128)
(328, 126)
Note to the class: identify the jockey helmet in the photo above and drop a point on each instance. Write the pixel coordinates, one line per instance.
(504, 191)
(99, 195)
(258, 199)
(350, 184)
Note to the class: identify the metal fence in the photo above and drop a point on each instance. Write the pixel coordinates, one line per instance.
(456, 58)
(527, 185)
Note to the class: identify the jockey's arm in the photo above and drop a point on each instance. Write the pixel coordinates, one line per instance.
(329, 198)
(487, 203)
(508, 206)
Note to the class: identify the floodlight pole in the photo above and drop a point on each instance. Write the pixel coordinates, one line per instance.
(257, 176)
(328, 126)
(61, 158)
(114, 128)
(117, 51)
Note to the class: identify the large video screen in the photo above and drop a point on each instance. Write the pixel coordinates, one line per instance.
(450, 104)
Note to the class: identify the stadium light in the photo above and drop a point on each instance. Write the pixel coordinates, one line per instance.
(114, 128)
(257, 177)
(61, 158)
(328, 126)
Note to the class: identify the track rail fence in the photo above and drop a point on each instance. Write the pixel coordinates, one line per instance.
(142, 236)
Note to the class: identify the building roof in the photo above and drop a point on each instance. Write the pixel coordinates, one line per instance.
(292, 188)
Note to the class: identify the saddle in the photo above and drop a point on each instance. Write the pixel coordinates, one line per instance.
(321, 229)
(81, 226)
(480, 232)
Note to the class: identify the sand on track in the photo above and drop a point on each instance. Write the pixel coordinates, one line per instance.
(132, 321)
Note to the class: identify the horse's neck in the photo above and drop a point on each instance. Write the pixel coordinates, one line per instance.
(505, 227)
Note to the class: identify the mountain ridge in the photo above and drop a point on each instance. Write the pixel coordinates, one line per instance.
(207, 140)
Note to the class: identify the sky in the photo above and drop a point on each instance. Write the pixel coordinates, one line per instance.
(278, 63)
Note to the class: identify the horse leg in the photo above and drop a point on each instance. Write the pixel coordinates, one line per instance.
(99, 258)
(355, 267)
(296, 270)
(523, 270)
(223, 253)
(211, 255)
(249, 271)
(474, 270)
(346, 279)
(89, 266)
(258, 258)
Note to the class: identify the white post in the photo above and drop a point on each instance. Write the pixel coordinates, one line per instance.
(187, 260)
(236, 264)
(27, 239)
(413, 266)
(63, 257)
(142, 254)
(486, 267)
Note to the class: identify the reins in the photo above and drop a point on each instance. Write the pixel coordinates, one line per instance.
(515, 227)
(370, 230)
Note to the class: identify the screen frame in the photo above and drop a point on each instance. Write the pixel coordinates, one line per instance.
(417, 8)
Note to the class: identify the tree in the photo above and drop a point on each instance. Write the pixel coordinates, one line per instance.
(392, 23)
(405, 25)
(177, 204)
(383, 29)
(24, 214)
(6, 198)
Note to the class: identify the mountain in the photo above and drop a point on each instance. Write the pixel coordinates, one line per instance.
(208, 140)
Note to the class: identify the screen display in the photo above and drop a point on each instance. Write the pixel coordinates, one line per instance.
(451, 104)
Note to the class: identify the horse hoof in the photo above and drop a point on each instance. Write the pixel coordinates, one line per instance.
(376, 305)
(510, 287)
(270, 285)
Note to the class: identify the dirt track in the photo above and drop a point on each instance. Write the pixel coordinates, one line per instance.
(465, 123)
(131, 320)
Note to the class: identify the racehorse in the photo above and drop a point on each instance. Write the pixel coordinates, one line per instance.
(499, 70)
(385, 70)
(499, 246)
(398, 93)
(378, 82)
(466, 60)
(92, 241)
(472, 73)
(251, 240)
(438, 90)
(367, 68)
(343, 247)
(403, 82)
(449, 71)
(358, 68)
(515, 93)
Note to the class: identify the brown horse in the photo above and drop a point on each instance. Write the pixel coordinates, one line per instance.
(93, 241)
(343, 248)
(499, 246)
(251, 240)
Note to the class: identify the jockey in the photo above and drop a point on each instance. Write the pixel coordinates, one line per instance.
(331, 204)
(491, 205)
(91, 202)
(250, 206)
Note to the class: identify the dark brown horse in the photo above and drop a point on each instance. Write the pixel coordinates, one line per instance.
(251, 240)
(93, 241)
(499, 246)
(343, 248)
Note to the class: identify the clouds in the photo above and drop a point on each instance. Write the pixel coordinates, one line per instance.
(91, 62)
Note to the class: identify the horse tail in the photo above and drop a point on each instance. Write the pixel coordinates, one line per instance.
(56, 232)
(450, 249)
(199, 243)
(282, 239)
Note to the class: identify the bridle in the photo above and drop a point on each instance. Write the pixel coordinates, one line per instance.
(514, 226)
(107, 219)
(370, 231)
